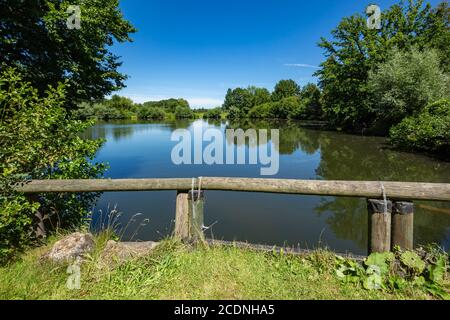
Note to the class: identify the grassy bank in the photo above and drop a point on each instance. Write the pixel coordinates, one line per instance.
(176, 271)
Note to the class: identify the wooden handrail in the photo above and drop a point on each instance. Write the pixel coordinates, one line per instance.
(390, 222)
(363, 189)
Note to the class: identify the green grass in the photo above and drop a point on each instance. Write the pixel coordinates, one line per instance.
(176, 271)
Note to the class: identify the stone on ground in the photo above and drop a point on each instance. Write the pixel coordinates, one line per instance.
(70, 248)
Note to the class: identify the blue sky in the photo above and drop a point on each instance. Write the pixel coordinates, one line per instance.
(196, 49)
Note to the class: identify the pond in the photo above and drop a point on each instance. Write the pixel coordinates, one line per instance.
(138, 149)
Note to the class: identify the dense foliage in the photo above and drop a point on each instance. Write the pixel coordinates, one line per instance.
(34, 38)
(215, 113)
(373, 79)
(287, 101)
(182, 112)
(169, 105)
(423, 268)
(405, 84)
(39, 141)
(428, 130)
(285, 89)
(115, 108)
(124, 108)
(147, 112)
(355, 50)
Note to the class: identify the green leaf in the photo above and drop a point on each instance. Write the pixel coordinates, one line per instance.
(373, 282)
(437, 291)
(381, 260)
(412, 260)
(437, 271)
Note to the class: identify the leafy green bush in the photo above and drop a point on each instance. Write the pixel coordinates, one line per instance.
(427, 131)
(182, 112)
(424, 268)
(262, 111)
(168, 105)
(215, 113)
(122, 104)
(146, 112)
(100, 110)
(405, 84)
(39, 141)
(291, 107)
(287, 108)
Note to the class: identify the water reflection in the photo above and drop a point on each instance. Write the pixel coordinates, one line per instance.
(142, 149)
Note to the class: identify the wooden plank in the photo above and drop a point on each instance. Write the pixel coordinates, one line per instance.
(105, 185)
(363, 189)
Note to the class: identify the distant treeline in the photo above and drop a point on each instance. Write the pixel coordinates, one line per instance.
(287, 101)
(124, 108)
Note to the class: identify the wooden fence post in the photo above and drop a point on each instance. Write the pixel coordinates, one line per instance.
(403, 225)
(379, 225)
(189, 216)
(196, 214)
(182, 223)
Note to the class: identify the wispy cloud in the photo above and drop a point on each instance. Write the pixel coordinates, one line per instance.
(301, 65)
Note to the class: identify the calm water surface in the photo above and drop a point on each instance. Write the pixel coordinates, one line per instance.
(136, 149)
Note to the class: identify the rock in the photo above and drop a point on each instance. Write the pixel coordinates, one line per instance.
(123, 251)
(72, 247)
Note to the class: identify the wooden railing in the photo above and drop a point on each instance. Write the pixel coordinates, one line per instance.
(391, 212)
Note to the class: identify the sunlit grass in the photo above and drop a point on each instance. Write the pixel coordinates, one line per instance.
(177, 271)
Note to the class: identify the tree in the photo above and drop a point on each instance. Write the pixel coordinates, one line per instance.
(121, 103)
(310, 96)
(285, 89)
(405, 84)
(35, 39)
(290, 107)
(146, 112)
(115, 108)
(215, 113)
(169, 105)
(182, 112)
(260, 95)
(262, 111)
(438, 33)
(356, 49)
(238, 102)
